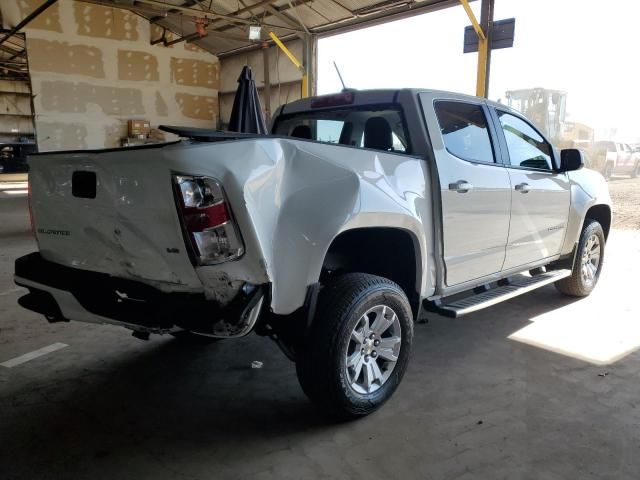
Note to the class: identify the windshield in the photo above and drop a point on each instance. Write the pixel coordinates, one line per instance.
(380, 127)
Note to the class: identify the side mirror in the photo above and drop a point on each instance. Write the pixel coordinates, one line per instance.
(571, 159)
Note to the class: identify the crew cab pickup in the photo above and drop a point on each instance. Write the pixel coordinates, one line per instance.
(359, 213)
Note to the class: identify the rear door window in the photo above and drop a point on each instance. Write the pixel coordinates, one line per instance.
(464, 130)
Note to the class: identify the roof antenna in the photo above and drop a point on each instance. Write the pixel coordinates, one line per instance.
(344, 87)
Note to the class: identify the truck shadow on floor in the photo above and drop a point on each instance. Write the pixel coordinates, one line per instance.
(177, 399)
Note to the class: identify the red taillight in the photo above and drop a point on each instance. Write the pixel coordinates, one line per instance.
(208, 224)
(199, 219)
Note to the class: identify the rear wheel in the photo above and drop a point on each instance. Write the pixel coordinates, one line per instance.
(636, 170)
(587, 264)
(608, 170)
(358, 348)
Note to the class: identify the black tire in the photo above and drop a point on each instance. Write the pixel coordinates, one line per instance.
(636, 170)
(608, 171)
(186, 336)
(321, 363)
(576, 285)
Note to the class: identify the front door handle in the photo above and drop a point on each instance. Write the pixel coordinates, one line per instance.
(461, 186)
(523, 188)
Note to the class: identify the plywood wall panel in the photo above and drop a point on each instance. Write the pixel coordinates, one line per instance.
(58, 136)
(113, 23)
(93, 68)
(162, 109)
(197, 106)
(69, 97)
(195, 73)
(47, 20)
(63, 57)
(137, 66)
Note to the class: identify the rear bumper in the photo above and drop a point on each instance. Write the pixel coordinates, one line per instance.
(62, 293)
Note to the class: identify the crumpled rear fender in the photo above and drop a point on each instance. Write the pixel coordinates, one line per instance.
(291, 198)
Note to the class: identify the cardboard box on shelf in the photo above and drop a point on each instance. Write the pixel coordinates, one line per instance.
(138, 127)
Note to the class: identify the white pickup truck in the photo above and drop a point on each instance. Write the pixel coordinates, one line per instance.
(358, 214)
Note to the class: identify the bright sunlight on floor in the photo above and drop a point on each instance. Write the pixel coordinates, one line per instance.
(604, 327)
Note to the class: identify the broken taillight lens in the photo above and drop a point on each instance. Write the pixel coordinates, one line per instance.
(206, 218)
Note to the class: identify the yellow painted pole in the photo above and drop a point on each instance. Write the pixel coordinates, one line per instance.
(286, 51)
(481, 78)
(483, 51)
(295, 61)
(474, 21)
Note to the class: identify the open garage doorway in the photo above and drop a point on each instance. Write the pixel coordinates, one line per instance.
(17, 119)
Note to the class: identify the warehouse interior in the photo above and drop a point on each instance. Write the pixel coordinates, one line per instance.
(95, 65)
(540, 386)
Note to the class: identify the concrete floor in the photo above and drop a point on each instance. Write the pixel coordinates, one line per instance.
(539, 387)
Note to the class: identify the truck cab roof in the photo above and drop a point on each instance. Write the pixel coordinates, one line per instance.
(367, 97)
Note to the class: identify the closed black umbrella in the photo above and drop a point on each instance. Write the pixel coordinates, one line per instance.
(246, 115)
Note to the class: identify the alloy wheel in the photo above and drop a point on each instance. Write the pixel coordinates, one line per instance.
(373, 350)
(591, 260)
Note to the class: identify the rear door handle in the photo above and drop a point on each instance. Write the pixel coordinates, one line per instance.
(523, 188)
(461, 186)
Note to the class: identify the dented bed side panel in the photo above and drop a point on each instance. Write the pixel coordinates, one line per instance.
(290, 198)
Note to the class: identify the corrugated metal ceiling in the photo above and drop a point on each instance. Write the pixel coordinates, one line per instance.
(226, 23)
(13, 60)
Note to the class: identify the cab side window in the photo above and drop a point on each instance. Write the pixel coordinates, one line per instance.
(527, 148)
(464, 131)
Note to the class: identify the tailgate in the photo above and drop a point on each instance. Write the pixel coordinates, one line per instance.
(113, 212)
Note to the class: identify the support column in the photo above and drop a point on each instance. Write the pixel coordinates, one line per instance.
(267, 82)
(309, 42)
(484, 49)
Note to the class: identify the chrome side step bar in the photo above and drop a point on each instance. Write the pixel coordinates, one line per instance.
(517, 285)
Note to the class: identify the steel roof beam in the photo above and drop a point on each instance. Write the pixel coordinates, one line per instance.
(188, 3)
(28, 19)
(268, 13)
(11, 51)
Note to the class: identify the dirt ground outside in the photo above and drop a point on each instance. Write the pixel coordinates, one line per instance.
(625, 193)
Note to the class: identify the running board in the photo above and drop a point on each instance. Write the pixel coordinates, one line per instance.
(517, 285)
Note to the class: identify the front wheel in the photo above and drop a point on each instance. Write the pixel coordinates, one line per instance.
(587, 264)
(636, 170)
(608, 171)
(358, 347)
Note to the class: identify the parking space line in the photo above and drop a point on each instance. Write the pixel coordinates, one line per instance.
(13, 185)
(13, 290)
(31, 355)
